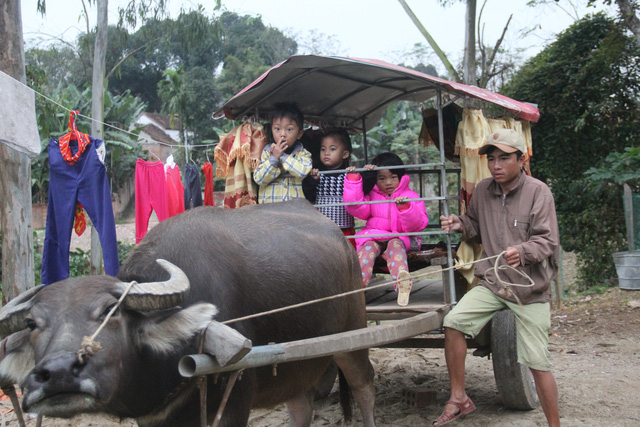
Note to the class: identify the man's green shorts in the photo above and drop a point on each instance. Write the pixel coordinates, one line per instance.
(533, 322)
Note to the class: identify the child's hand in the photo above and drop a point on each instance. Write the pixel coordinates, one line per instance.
(369, 167)
(352, 175)
(278, 148)
(401, 200)
(314, 173)
(401, 203)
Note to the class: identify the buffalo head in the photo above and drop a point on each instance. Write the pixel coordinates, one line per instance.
(45, 327)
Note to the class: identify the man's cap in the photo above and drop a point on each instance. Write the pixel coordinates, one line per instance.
(507, 140)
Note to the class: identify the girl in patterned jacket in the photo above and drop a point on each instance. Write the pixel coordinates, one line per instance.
(385, 218)
(323, 189)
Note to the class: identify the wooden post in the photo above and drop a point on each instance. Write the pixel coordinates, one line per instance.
(15, 171)
(97, 111)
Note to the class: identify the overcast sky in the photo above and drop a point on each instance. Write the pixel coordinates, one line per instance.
(361, 28)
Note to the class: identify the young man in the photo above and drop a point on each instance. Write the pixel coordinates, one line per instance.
(515, 214)
(285, 162)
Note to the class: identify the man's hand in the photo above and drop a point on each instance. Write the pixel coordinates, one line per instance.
(451, 223)
(512, 257)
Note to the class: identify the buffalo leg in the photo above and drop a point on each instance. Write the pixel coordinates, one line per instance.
(301, 409)
(358, 372)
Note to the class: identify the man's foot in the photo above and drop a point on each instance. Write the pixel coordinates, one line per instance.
(404, 287)
(458, 412)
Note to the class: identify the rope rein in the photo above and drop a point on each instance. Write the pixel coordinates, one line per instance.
(89, 346)
(368, 288)
(504, 290)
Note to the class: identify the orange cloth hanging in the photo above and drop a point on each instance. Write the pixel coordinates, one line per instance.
(80, 223)
(74, 134)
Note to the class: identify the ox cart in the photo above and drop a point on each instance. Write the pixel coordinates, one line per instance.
(353, 94)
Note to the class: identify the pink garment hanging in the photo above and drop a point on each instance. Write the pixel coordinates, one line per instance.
(175, 191)
(151, 194)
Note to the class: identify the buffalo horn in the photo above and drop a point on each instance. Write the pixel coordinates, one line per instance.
(13, 314)
(158, 295)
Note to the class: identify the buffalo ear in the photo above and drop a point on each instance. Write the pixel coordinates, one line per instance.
(17, 359)
(164, 333)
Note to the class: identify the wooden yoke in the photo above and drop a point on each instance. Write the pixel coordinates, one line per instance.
(225, 343)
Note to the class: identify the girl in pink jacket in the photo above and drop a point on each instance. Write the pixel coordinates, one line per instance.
(384, 218)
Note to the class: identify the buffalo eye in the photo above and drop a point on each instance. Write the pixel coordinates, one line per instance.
(30, 323)
(108, 310)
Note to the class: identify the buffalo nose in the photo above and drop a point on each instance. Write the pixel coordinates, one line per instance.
(57, 368)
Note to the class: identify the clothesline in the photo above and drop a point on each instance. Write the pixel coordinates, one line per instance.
(107, 124)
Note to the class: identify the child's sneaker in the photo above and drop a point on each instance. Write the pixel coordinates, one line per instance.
(404, 287)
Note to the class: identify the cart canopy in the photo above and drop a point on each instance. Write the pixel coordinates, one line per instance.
(342, 92)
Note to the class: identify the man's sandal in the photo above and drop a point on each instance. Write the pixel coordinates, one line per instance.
(465, 408)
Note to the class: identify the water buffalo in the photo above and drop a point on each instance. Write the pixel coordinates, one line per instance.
(238, 262)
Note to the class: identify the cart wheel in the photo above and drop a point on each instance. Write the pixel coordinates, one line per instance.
(325, 384)
(513, 380)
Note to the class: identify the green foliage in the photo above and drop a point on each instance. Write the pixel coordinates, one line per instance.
(586, 87)
(249, 48)
(617, 168)
(79, 260)
(79, 263)
(398, 132)
(124, 249)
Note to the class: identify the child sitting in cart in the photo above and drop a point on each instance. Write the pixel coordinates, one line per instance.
(335, 151)
(385, 218)
(285, 162)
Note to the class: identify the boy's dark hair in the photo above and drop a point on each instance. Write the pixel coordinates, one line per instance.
(369, 178)
(287, 110)
(343, 136)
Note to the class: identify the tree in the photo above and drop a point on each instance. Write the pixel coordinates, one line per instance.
(629, 15)
(15, 174)
(586, 86)
(488, 66)
(176, 98)
(628, 9)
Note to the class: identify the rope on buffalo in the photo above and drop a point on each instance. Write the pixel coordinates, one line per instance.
(496, 268)
(89, 346)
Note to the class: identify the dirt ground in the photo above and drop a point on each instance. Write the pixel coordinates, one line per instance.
(595, 351)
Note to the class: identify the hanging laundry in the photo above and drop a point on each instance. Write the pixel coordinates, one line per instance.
(473, 132)
(192, 189)
(80, 223)
(207, 170)
(77, 174)
(19, 128)
(175, 189)
(237, 156)
(151, 194)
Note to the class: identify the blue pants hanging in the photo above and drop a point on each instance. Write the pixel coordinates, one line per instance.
(192, 190)
(86, 182)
